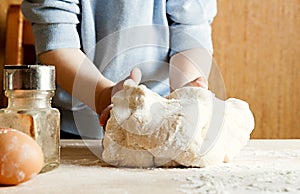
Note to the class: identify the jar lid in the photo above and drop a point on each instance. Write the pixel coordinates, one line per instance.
(29, 77)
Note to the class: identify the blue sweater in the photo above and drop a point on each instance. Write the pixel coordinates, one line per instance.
(118, 35)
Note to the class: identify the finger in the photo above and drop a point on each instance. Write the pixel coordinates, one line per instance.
(199, 82)
(105, 116)
(136, 75)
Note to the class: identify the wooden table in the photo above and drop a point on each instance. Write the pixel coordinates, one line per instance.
(271, 166)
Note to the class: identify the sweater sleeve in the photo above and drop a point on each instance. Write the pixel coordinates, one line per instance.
(190, 24)
(54, 23)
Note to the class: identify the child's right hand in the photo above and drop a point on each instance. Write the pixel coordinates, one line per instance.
(136, 76)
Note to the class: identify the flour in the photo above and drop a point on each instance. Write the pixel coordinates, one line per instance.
(243, 180)
(268, 167)
(146, 130)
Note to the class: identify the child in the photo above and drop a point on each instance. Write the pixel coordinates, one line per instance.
(96, 45)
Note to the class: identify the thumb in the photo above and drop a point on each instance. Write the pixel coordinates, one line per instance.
(136, 75)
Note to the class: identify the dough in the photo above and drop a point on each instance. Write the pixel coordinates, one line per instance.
(190, 127)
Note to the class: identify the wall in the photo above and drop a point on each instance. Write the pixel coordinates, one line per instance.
(257, 47)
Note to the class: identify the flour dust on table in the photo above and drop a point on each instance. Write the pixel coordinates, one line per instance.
(190, 127)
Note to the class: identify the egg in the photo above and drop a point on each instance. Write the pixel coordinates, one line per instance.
(21, 158)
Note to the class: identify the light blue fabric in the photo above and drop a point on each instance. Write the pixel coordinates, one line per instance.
(119, 35)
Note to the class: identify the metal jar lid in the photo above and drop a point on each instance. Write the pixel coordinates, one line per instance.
(29, 77)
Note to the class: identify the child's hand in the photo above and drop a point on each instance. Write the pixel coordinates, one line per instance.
(136, 76)
(199, 82)
(190, 68)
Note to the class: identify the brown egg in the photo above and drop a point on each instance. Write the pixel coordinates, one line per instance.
(21, 158)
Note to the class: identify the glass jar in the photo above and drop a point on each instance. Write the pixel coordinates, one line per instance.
(29, 89)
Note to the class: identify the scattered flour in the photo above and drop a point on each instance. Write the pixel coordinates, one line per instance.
(243, 180)
(268, 167)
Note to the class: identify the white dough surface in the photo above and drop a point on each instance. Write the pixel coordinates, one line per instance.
(189, 127)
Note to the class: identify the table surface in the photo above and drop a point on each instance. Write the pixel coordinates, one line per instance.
(263, 166)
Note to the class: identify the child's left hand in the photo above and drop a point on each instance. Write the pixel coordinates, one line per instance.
(199, 82)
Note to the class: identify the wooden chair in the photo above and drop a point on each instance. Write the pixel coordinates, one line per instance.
(19, 45)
